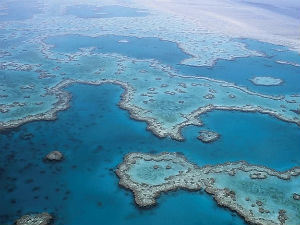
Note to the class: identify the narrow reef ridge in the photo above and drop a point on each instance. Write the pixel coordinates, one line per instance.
(266, 81)
(207, 136)
(258, 194)
(35, 219)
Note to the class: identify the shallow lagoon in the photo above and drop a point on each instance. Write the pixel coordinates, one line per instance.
(95, 133)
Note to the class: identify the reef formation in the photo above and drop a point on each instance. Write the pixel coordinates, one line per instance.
(35, 219)
(207, 136)
(167, 101)
(54, 156)
(266, 81)
(258, 194)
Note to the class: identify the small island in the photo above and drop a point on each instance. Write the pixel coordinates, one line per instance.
(233, 185)
(266, 81)
(207, 136)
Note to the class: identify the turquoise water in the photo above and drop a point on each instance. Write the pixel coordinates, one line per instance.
(19, 10)
(272, 51)
(275, 193)
(140, 48)
(145, 171)
(89, 11)
(7, 43)
(241, 70)
(238, 71)
(94, 134)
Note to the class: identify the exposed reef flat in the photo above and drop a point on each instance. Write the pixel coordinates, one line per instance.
(266, 81)
(35, 219)
(258, 194)
(207, 136)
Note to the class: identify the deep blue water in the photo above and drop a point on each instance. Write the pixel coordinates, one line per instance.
(19, 10)
(94, 134)
(238, 71)
(89, 11)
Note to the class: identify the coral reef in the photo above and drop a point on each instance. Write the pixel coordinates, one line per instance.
(35, 219)
(207, 136)
(258, 194)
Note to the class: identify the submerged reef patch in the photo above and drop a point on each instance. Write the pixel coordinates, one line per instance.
(207, 136)
(54, 156)
(266, 81)
(35, 219)
(258, 194)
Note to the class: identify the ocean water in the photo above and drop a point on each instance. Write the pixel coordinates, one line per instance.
(238, 70)
(89, 11)
(8, 43)
(19, 10)
(94, 134)
(241, 70)
(141, 48)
